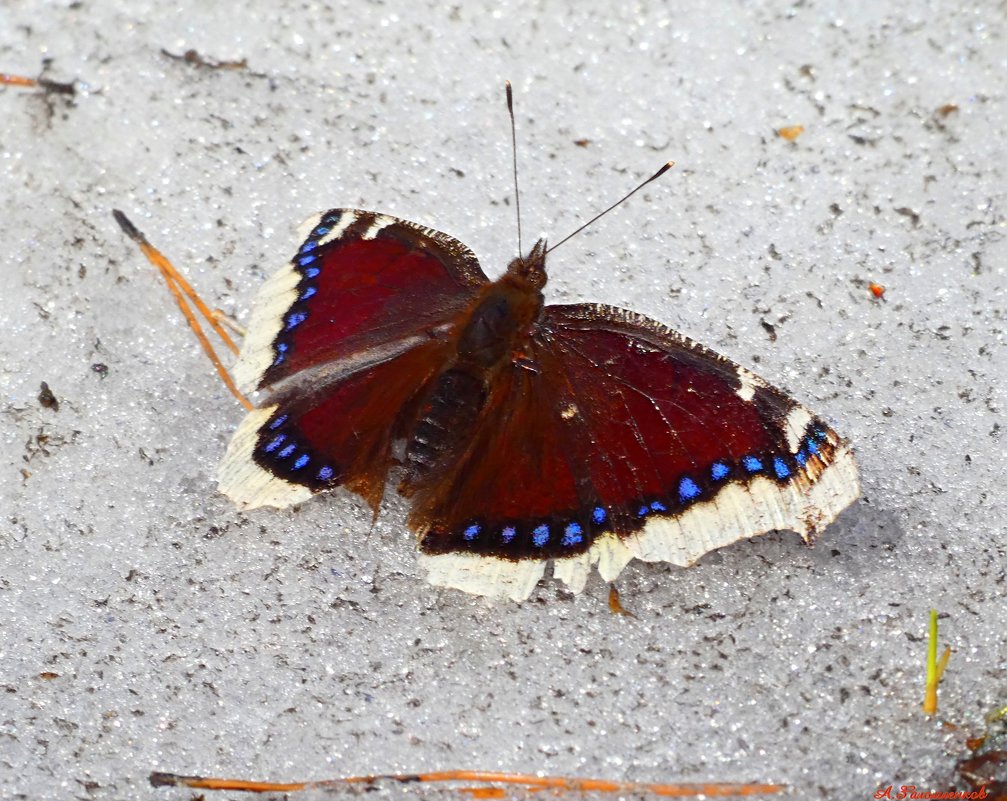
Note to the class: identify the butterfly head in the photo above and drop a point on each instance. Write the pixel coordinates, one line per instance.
(532, 266)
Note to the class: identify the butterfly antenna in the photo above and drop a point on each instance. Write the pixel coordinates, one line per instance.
(513, 150)
(619, 202)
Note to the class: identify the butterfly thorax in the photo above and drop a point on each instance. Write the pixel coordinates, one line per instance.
(502, 318)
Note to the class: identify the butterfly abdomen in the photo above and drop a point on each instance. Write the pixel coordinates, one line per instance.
(447, 417)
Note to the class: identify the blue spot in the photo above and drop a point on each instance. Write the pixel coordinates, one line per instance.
(281, 347)
(719, 470)
(312, 272)
(325, 473)
(279, 421)
(752, 465)
(687, 489)
(657, 506)
(780, 467)
(301, 461)
(818, 434)
(801, 457)
(643, 511)
(309, 246)
(812, 447)
(307, 293)
(304, 261)
(276, 443)
(471, 532)
(573, 534)
(508, 533)
(321, 231)
(279, 360)
(295, 320)
(286, 451)
(540, 536)
(599, 515)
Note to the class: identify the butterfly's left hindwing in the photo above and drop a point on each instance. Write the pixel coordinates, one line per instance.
(628, 440)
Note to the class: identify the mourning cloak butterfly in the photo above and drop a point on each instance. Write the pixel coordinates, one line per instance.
(520, 433)
(582, 434)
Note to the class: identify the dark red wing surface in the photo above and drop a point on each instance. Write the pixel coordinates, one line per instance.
(649, 409)
(361, 281)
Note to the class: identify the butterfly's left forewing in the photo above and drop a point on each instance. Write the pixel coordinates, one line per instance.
(688, 451)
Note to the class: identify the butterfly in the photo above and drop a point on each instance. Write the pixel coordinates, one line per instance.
(520, 434)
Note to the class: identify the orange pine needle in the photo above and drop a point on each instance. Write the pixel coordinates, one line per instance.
(690, 790)
(180, 290)
(49, 86)
(483, 792)
(17, 80)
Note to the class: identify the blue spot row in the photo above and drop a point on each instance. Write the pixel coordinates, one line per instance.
(573, 534)
(306, 258)
(282, 448)
(688, 491)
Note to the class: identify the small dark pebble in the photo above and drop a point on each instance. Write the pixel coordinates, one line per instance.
(47, 399)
